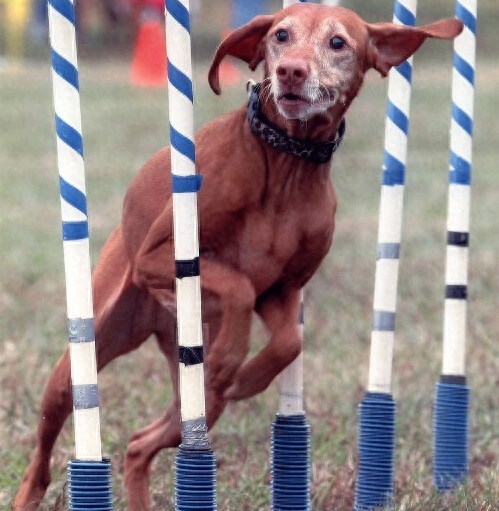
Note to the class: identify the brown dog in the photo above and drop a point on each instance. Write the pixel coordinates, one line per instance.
(266, 210)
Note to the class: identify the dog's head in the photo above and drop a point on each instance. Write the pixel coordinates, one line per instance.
(315, 56)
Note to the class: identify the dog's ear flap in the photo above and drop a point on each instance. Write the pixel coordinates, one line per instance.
(392, 44)
(245, 43)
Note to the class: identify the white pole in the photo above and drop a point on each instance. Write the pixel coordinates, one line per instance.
(75, 230)
(185, 216)
(390, 215)
(459, 198)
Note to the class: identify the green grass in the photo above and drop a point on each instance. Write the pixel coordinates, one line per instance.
(122, 127)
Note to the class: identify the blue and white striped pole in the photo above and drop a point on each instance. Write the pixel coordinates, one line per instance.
(195, 471)
(88, 471)
(450, 464)
(290, 433)
(377, 412)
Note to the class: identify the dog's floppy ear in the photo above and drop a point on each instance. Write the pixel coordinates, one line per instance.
(245, 43)
(392, 44)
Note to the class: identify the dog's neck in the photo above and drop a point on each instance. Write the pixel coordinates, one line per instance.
(317, 150)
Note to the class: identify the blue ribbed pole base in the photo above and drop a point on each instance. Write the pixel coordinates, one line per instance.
(450, 426)
(376, 447)
(195, 480)
(290, 463)
(89, 485)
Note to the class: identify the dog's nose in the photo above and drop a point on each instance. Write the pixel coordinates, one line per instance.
(292, 72)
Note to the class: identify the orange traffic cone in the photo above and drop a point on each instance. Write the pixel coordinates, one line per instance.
(149, 59)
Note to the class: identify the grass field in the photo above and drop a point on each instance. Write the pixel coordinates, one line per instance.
(122, 127)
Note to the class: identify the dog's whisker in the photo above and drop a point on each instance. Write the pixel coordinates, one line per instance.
(267, 90)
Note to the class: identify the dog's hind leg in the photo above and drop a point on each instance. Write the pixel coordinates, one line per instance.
(143, 446)
(116, 300)
(55, 408)
(163, 433)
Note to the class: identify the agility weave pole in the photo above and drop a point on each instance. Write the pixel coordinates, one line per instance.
(89, 476)
(290, 441)
(451, 409)
(195, 470)
(290, 433)
(377, 412)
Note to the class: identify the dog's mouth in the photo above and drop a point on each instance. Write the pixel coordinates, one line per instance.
(295, 106)
(289, 96)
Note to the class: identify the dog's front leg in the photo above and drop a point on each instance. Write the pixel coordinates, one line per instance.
(154, 269)
(279, 310)
(237, 299)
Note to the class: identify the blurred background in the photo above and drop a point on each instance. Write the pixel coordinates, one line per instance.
(112, 22)
(110, 27)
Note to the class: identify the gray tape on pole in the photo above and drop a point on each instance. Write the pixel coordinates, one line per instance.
(383, 321)
(195, 434)
(81, 330)
(85, 396)
(388, 250)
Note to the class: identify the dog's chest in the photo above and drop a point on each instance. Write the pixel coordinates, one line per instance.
(279, 229)
(275, 246)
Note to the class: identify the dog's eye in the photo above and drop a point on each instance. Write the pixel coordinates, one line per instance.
(337, 43)
(282, 36)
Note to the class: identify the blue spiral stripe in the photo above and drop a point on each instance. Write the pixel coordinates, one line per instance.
(466, 17)
(69, 135)
(462, 118)
(182, 144)
(65, 69)
(398, 117)
(405, 70)
(64, 8)
(179, 12)
(394, 170)
(460, 170)
(73, 196)
(464, 69)
(404, 15)
(180, 81)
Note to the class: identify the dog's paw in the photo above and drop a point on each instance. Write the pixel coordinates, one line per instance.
(240, 390)
(246, 385)
(235, 393)
(221, 371)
